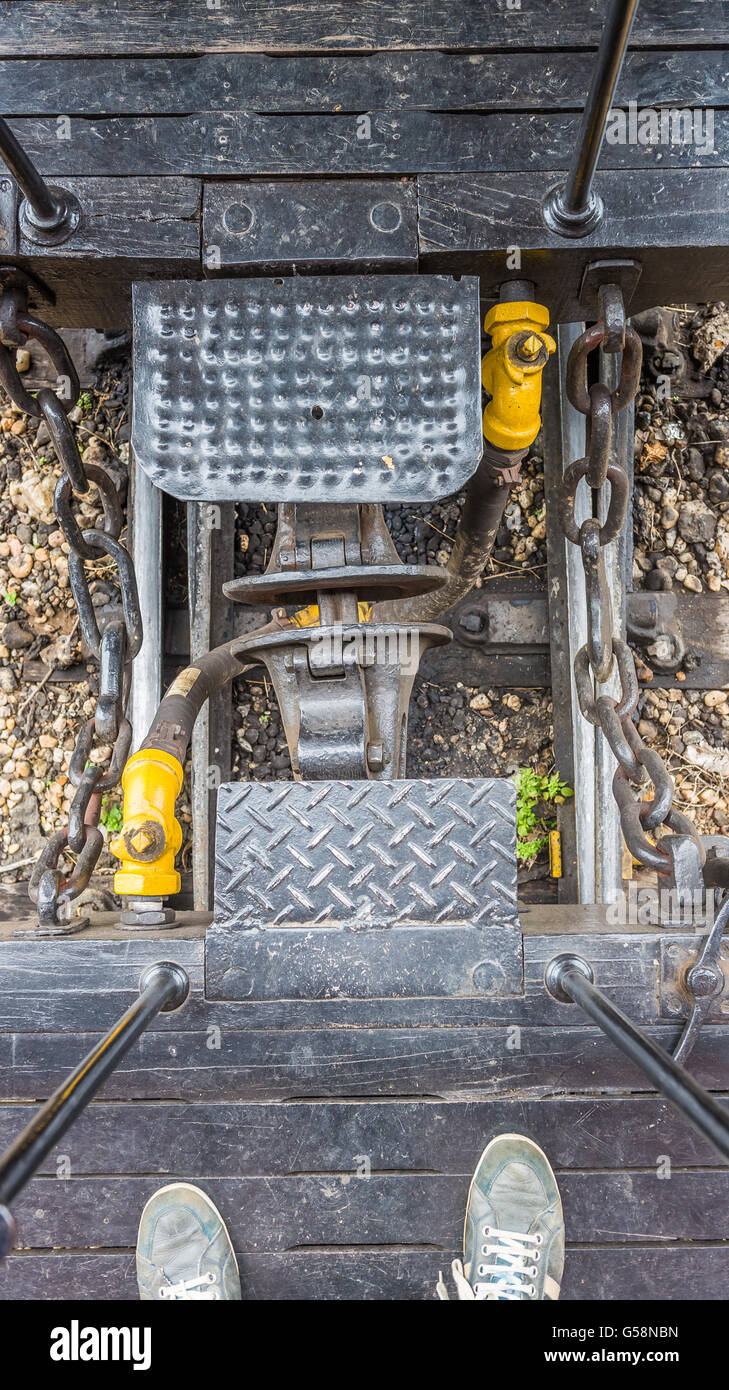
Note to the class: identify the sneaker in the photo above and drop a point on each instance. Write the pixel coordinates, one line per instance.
(513, 1238)
(183, 1248)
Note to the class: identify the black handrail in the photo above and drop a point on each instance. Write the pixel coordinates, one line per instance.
(570, 980)
(163, 987)
(48, 215)
(576, 210)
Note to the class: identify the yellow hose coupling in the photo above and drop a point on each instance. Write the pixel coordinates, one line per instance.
(511, 372)
(150, 836)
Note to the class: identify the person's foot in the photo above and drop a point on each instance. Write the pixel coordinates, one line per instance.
(513, 1238)
(183, 1249)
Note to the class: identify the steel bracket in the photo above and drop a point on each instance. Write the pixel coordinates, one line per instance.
(623, 273)
(694, 982)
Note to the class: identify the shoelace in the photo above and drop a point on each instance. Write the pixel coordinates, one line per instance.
(189, 1289)
(513, 1252)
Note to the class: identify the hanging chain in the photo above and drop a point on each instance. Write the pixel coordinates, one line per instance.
(604, 650)
(115, 646)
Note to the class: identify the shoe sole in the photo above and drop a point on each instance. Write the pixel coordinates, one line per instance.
(498, 1139)
(189, 1187)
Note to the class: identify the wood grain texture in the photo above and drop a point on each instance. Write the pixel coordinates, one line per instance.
(392, 81)
(632, 1272)
(276, 1214)
(40, 27)
(426, 1136)
(236, 144)
(250, 1065)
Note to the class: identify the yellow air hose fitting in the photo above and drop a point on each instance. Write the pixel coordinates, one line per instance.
(511, 372)
(150, 836)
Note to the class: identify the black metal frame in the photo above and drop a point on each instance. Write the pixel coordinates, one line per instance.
(163, 988)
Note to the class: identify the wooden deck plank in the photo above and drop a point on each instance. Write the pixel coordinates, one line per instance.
(280, 1213)
(394, 81)
(434, 1136)
(245, 144)
(40, 27)
(426, 1136)
(259, 1064)
(633, 1272)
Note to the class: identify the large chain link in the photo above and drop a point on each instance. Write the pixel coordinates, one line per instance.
(604, 651)
(115, 646)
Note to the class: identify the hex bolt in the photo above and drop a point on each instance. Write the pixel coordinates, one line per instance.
(472, 622)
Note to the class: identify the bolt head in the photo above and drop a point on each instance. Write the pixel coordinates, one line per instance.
(472, 622)
(704, 980)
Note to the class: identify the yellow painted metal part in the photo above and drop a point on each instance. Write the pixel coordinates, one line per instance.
(511, 372)
(555, 854)
(150, 836)
(309, 617)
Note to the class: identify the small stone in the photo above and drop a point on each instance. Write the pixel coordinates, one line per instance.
(712, 698)
(19, 426)
(480, 701)
(20, 566)
(8, 681)
(713, 582)
(697, 523)
(15, 637)
(695, 465)
(693, 583)
(669, 517)
(22, 360)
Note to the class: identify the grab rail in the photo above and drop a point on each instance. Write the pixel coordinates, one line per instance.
(569, 980)
(576, 210)
(48, 215)
(163, 987)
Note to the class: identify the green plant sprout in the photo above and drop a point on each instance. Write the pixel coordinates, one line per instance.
(533, 792)
(112, 816)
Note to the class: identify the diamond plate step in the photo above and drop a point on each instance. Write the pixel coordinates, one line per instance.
(328, 389)
(365, 890)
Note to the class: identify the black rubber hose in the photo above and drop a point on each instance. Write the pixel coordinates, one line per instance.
(171, 728)
(487, 494)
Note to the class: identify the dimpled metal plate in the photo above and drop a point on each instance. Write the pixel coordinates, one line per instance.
(335, 388)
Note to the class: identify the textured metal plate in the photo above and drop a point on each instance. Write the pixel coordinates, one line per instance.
(365, 890)
(335, 389)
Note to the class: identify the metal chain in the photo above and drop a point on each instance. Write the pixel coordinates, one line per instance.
(115, 646)
(604, 651)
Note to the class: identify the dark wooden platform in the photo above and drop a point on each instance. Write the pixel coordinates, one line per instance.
(204, 141)
(340, 1156)
(191, 135)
